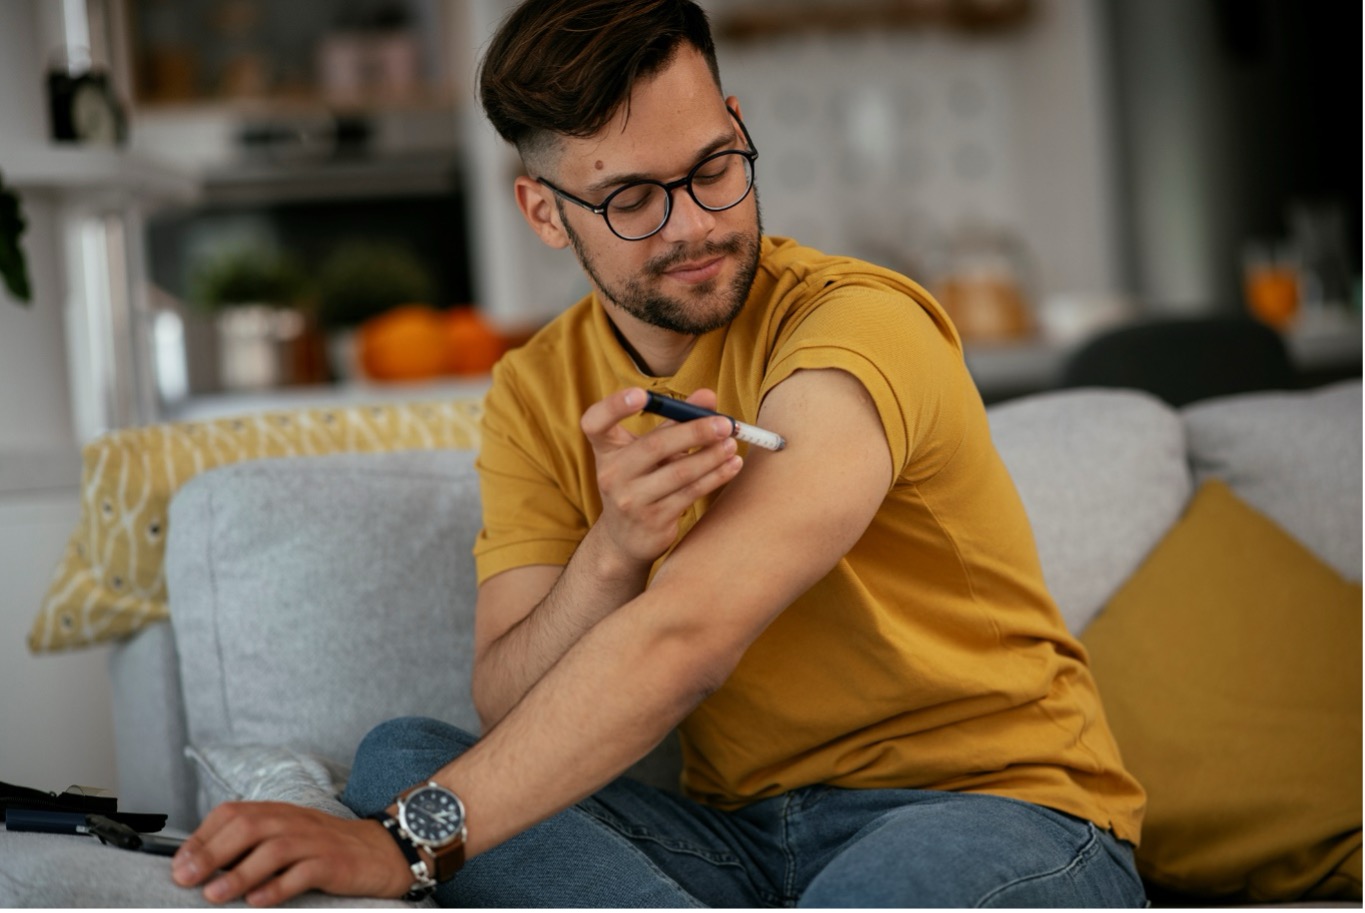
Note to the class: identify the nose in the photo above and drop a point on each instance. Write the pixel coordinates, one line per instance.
(687, 220)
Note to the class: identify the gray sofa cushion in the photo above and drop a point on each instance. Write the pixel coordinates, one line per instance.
(66, 871)
(315, 597)
(1296, 457)
(1102, 474)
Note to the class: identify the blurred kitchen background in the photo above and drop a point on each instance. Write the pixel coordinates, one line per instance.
(238, 204)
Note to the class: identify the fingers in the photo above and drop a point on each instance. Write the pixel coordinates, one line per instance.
(226, 842)
(704, 398)
(672, 482)
(601, 421)
(648, 482)
(270, 852)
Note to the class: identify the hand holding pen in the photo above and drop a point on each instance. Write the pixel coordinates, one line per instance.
(648, 482)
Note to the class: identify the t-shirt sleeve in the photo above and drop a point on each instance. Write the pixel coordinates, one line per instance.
(904, 355)
(527, 516)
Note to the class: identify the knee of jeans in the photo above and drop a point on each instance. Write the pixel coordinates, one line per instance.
(399, 753)
(414, 733)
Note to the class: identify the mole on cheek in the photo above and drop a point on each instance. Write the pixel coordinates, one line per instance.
(599, 164)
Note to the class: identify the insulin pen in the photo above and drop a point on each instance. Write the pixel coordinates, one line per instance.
(681, 411)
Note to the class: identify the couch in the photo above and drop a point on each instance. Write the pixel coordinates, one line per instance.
(1209, 558)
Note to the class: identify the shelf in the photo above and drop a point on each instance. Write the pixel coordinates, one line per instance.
(289, 106)
(86, 171)
(226, 405)
(270, 182)
(28, 472)
(1328, 341)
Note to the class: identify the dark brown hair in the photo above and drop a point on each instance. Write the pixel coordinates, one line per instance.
(563, 67)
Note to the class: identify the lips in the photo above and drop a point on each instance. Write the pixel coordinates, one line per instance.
(697, 270)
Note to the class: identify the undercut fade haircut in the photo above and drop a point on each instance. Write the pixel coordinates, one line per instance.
(561, 68)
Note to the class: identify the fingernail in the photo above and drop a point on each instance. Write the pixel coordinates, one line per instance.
(635, 399)
(218, 890)
(722, 427)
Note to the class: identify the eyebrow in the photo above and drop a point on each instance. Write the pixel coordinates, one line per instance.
(618, 180)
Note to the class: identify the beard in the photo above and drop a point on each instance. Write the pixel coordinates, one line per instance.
(709, 307)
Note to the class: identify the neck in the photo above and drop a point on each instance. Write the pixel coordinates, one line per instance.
(656, 352)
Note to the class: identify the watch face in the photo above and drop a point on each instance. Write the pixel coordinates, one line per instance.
(432, 815)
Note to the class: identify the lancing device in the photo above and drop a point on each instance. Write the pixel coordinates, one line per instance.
(681, 411)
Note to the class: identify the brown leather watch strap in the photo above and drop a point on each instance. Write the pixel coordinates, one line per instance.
(448, 860)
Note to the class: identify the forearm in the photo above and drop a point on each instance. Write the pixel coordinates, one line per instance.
(611, 698)
(596, 581)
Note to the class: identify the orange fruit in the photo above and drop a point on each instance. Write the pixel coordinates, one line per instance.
(405, 343)
(472, 346)
(1273, 295)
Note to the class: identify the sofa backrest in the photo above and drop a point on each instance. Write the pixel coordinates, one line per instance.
(1103, 475)
(316, 596)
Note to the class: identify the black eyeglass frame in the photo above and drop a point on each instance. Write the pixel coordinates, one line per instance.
(751, 154)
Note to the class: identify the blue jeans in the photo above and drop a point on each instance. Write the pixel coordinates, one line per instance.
(632, 845)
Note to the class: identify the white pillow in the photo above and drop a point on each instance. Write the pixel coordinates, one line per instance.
(267, 773)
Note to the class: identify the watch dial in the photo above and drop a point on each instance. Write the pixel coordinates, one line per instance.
(433, 816)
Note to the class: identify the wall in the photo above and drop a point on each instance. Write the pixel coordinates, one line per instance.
(1230, 116)
(881, 144)
(54, 714)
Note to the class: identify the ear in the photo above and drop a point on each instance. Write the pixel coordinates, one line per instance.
(537, 205)
(732, 102)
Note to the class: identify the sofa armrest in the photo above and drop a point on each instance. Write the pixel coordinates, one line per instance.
(149, 727)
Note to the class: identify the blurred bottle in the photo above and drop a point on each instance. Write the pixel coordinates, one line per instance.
(984, 285)
(1318, 235)
(1270, 282)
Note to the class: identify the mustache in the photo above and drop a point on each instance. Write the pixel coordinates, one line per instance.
(711, 248)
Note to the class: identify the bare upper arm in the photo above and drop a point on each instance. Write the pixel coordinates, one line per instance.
(789, 516)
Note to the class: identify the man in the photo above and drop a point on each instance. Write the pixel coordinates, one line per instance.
(878, 702)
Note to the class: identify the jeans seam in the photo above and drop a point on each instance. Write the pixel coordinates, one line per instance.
(673, 846)
(616, 833)
(789, 877)
(1085, 853)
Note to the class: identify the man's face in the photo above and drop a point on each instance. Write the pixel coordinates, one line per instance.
(693, 275)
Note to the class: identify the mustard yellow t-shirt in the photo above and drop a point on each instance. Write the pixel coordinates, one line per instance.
(931, 656)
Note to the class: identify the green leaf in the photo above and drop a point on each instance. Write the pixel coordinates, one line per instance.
(13, 267)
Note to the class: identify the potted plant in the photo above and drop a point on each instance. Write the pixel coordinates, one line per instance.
(13, 267)
(360, 281)
(257, 297)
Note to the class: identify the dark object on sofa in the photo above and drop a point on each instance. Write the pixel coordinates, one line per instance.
(1182, 360)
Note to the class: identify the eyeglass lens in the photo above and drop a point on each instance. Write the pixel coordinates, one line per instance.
(719, 182)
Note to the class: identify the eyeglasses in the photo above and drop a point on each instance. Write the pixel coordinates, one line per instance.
(637, 210)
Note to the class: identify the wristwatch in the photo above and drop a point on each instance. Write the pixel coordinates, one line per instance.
(430, 818)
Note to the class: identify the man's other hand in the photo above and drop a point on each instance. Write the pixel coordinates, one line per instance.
(269, 852)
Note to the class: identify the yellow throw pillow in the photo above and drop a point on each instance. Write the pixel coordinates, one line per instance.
(1230, 669)
(110, 581)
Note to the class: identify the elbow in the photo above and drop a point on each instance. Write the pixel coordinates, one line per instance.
(692, 660)
(487, 704)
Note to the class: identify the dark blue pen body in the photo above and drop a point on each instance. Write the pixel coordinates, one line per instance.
(676, 409)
